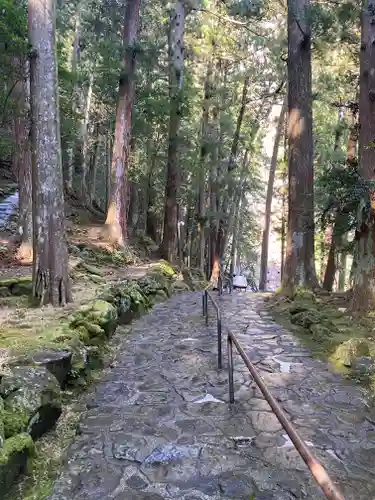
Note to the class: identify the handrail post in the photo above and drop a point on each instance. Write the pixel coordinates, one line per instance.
(219, 350)
(203, 304)
(230, 369)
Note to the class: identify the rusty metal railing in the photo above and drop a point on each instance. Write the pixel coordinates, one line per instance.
(317, 470)
(205, 296)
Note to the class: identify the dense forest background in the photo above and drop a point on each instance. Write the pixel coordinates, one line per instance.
(151, 116)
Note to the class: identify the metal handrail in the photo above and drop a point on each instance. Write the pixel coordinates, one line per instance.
(205, 296)
(317, 470)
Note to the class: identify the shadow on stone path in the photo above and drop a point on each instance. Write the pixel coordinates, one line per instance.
(158, 426)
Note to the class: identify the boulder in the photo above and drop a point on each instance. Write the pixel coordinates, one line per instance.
(306, 318)
(320, 332)
(13, 458)
(96, 321)
(32, 401)
(363, 366)
(59, 363)
(16, 286)
(348, 351)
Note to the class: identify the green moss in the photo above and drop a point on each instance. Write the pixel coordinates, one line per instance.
(163, 267)
(349, 350)
(15, 281)
(15, 422)
(16, 444)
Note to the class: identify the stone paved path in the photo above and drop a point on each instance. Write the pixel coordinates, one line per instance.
(159, 426)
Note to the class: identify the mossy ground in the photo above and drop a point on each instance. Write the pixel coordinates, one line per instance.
(325, 325)
(97, 272)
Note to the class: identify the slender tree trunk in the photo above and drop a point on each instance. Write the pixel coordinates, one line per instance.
(330, 272)
(84, 181)
(202, 167)
(115, 228)
(108, 157)
(271, 181)
(300, 260)
(236, 227)
(75, 58)
(176, 66)
(51, 282)
(284, 192)
(364, 255)
(91, 178)
(342, 264)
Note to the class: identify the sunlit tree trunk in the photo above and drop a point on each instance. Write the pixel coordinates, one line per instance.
(176, 66)
(115, 228)
(267, 216)
(91, 178)
(364, 256)
(85, 136)
(51, 282)
(300, 260)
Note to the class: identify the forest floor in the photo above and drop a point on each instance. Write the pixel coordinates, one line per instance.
(26, 328)
(324, 323)
(159, 426)
(94, 266)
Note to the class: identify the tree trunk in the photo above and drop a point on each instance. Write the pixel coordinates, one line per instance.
(176, 66)
(84, 181)
(283, 201)
(271, 180)
(342, 264)
(91, 178)
(364, 268)
(115, 228)
(75, 58)
(202, 167)
(236, 227)
(300, 261)
(51, 283)
(330, 272)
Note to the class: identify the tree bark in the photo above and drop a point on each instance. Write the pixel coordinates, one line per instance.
(300, 261)
(51, 283)
(271, 181)
(115, 228)
(330, 272)
(364, 261)
(202, 167)
(84, 140)
(91, 177)
(75, 58)
(176, 66)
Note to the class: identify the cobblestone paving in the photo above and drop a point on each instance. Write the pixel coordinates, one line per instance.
(159, 426)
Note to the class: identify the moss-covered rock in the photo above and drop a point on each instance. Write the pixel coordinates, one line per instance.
(180, 286)
(57, 362)
(320, 332)
(97, 320)
(16, 286)
(306, 318)
(348, 351)
(32, 401)
(13, 458)
(163, 267)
